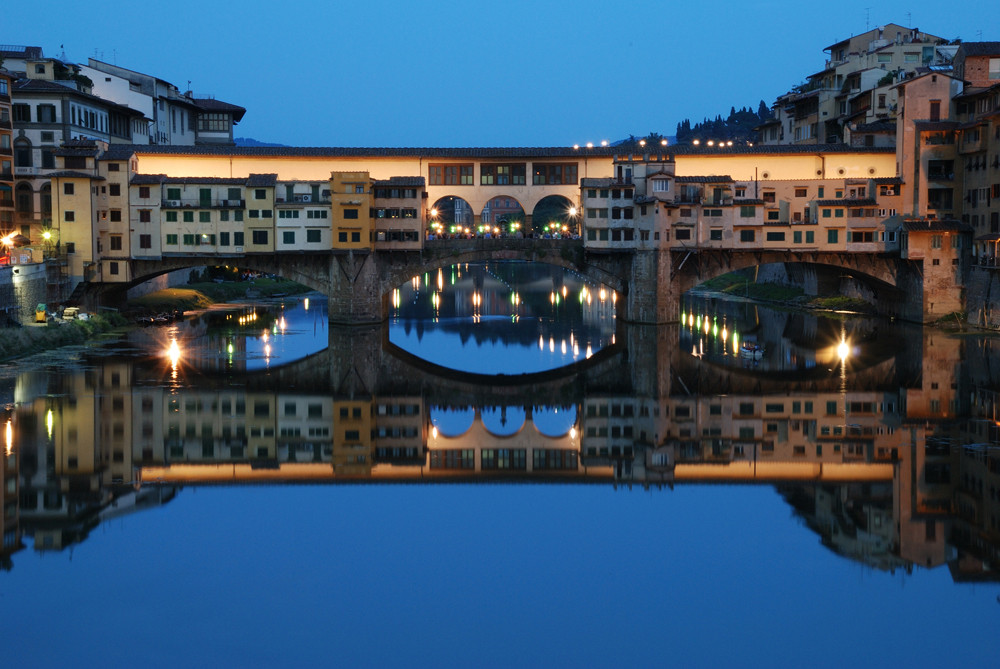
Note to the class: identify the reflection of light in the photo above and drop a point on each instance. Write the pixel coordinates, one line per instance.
(572, 433)
(264, 336)
(576, 350)
(395, 298)
(691, 320)
(174, 353)
(282, 324)
(541, 343)
(9, 434)
(564, 347)
(590, 351)
(440, 280)
(48, 422)
(565, 291)
(434, 432)
(306, 303)
(267, 350)
(552, 345)
(843, 350)
(603, 294)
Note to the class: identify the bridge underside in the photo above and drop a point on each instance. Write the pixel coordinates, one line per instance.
(652, 282)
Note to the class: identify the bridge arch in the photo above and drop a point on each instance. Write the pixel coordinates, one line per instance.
(504, 213)
(555, 213)
(453, 212)
(890, 286)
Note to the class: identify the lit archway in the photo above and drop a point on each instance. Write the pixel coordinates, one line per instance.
(451, 215)
(555, 215)
(502, 215)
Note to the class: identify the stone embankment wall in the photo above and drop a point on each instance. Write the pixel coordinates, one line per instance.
(982, 298)
(22, 288)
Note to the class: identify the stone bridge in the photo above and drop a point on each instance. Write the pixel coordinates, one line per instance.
(651, 282)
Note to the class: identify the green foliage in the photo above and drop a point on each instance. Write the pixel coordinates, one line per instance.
(738, 126)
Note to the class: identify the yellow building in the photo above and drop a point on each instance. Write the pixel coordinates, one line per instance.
(351, 205)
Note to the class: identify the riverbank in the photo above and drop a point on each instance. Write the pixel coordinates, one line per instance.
(204, 294)
(17, 343)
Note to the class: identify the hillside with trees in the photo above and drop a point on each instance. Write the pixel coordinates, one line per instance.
(738, 127)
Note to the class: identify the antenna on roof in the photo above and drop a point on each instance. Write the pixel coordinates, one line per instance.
(868, 11)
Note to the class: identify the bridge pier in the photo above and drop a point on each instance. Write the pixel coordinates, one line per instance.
(356, 292)
(652, 298)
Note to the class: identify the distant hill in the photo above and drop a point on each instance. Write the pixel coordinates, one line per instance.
(250, 141)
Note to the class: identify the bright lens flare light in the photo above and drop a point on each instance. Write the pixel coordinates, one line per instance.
(843, 350)
(9, 436)
(174, 353)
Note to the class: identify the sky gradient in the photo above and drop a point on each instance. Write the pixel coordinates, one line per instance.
(516, 73)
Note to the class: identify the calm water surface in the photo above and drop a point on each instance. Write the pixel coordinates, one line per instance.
(665, 500)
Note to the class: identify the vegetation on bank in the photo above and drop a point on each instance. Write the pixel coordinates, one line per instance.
(739, 286)
(16, 343)
(202, 294)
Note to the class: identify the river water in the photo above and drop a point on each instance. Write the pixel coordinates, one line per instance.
(505, 474)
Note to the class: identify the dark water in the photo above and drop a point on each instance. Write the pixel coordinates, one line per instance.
(664, 500)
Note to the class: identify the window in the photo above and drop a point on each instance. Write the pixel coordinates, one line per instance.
(238, 239)
(116, 242)
(313, 236)
(223, 239)
(502, 174)
(189, 217)
(69, 216)
(351, 213)
(145, 241)
(68, 189)
(801, 192)
(661, 185)
(342, 237)
(451, 175)
(746, 235)
(188, 240)
(171, 216)
(173, 193)
(747, 211)
(22, 113)
(797, 237)
(810, 237)
(554, 173)
(204, 217)
(144, 192)
(113, 267)
(171, 240)
(775, 236)
(715, 235)
(994, 72)
(288, 237)
(260, 194)
(259, 237)
(115, 190)
(831, 236)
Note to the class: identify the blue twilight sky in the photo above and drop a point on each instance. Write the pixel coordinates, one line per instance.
(470, 73)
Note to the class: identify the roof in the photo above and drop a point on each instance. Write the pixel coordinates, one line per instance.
(400, 181)
(934, 225)
(253, 181)
(882, 125)
(881, 181)
(747, 201)
(17, 51)
(72, 174)
(929, 126)
(42, 86)
(124, 151)
(713, 179)
(261, 180)
(596, 182)
(980, 48)
(213, 105)
(857, 202)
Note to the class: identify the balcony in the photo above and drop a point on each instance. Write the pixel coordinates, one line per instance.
(198, 203)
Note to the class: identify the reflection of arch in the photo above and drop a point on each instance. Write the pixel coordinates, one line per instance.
(461, 420)
(25, 198)
(500, 210)
(550, 210)
(503, 421)
(452, 210)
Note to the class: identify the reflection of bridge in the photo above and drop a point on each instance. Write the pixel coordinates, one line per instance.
(645, 414)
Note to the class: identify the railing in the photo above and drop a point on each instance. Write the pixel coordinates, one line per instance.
(198, 203)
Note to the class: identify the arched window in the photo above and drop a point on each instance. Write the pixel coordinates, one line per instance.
(25, 199)
(22, 152)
